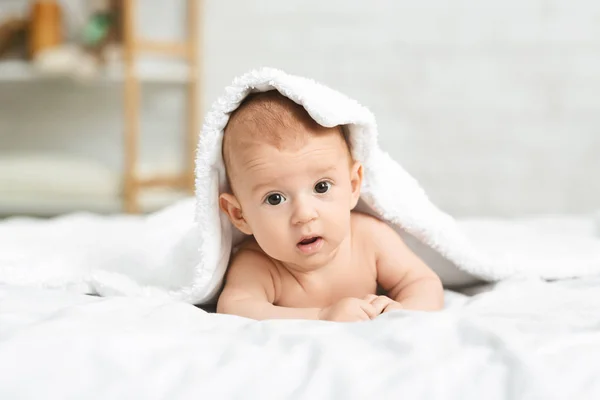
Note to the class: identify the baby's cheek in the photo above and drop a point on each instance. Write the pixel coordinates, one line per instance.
(337, 217)
(276, 245)
(271, 231)
(341, 207)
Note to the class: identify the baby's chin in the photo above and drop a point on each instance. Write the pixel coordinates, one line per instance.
(304, 263)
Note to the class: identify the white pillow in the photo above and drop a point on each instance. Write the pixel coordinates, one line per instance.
(55, 174)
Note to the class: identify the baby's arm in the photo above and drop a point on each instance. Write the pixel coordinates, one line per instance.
(250, 291)
(402, 274)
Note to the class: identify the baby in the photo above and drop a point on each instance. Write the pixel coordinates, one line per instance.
(294, 185)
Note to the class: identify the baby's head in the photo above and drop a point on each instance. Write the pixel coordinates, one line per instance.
(293, 182)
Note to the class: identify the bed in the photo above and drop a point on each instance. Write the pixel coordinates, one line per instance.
(516, 339)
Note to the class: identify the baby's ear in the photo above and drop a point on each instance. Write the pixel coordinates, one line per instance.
(230, 206)
(356, 177)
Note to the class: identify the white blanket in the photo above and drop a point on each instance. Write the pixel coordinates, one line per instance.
(182, 252)
(523, 340)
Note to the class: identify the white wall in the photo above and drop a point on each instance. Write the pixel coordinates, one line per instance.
(492, 105)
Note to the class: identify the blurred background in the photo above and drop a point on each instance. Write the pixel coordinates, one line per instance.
(494, 106)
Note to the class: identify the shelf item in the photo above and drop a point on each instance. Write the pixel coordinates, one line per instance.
(46, 184)
(45, 26)
(55, 175)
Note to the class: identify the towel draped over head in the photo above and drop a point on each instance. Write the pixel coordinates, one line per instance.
(182, 251)
(388, 192)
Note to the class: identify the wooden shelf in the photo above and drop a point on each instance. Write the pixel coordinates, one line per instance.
(43, 204)
(146, 71)
(179, 63)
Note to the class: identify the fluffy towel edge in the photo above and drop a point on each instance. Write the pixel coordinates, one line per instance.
(403, 203)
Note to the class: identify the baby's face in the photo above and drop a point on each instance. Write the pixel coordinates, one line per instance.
(297, 202)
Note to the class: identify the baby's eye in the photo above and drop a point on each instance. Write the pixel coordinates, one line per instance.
(275, 199)
(322, 187)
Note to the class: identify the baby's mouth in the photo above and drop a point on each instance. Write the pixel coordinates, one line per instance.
(309, 240)
(310, 245)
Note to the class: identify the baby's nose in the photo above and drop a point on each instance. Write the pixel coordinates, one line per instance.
(304, 211)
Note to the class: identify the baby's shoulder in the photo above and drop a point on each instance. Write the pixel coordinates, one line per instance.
(250, 254)
(252, 270)
(369, 228)
(364, 222)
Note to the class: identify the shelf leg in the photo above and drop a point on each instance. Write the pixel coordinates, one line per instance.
(131, 108)
(194, 104)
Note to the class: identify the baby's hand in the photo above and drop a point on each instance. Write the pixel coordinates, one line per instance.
(384, 303)
(351, 309)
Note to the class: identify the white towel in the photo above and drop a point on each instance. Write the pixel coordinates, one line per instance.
(171, 253)
(388, 192)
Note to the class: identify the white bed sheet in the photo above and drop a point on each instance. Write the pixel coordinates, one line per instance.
(521, 340)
